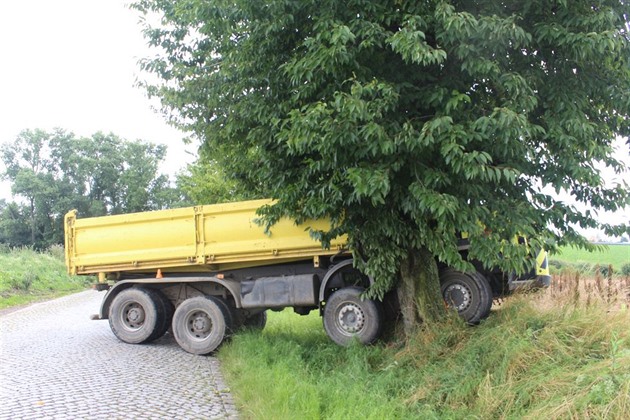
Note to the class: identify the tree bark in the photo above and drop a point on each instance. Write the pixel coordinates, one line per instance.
(419, 291)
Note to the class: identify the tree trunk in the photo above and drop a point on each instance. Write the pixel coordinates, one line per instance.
(32, 203)
(419, 290)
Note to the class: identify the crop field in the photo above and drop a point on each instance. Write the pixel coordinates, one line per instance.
(615, 255)
(590, 263)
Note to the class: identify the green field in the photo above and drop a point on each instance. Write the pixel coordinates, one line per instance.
(617, 255)
(28, 276)
(592, 263)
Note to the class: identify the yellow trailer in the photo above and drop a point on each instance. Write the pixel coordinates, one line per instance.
(194, 239)
(206, 271)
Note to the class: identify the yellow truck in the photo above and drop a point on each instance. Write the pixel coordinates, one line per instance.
(206, 271)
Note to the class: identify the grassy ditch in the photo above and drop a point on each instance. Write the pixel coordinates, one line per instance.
(562, 353)
(28, 276)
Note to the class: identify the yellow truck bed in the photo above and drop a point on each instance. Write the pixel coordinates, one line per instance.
(193, 239)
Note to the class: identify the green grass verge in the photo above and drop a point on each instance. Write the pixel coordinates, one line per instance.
(524, 361)
(28, 276)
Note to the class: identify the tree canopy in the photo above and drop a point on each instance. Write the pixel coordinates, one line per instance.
(407, 122)
(54, 172)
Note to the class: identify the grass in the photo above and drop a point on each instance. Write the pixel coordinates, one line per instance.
(28, 276)
(585, 261)
(562, 353)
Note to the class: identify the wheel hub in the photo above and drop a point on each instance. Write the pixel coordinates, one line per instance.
(351, 318)
(458, 296)
(134, 315)
(199, 324)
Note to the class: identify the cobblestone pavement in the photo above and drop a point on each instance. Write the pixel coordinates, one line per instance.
(56, 363)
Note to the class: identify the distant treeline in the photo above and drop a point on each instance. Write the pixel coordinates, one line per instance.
(53, 172)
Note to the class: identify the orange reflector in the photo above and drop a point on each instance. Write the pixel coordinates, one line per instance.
(220, 276)
(159, 274)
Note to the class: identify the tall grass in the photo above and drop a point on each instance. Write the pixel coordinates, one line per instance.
(562, 353)
(27, 275)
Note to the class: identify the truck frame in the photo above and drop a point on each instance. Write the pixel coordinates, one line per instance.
(207, 271)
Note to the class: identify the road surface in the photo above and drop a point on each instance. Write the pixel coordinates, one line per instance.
(56, 363)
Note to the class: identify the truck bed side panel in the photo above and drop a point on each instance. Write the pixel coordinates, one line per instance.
(201, 238)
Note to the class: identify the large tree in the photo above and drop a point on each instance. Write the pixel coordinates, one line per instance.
(406, 122)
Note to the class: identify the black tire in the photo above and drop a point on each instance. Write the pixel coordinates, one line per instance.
(199, 324)
(229, 314)
(167, 309)
(468, 293)
(487, 290)
(136, 315)
(256, 321)
(348, 317)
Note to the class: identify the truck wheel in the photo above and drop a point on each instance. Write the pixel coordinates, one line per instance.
(199, 324)
(348, 317)
(256, 321)
(229, 314)
(469, 293)
(485, 284)
(167, 309)
(136, 315)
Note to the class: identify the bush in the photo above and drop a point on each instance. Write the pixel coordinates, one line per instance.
(603, 270)
(57, 252)
(625, 269)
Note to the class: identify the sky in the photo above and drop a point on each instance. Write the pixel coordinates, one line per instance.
(73, 64)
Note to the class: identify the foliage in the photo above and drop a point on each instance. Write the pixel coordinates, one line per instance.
(27, 276)
(54, 172)
(205, 182)
(555, 359)
(406, 122)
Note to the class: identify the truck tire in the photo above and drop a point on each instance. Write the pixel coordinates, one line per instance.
(468, 293)
(199, 324)
(348, 317)
(136, 315)
(485, 284)
(167, 309)
(229, 314)
(256, 321)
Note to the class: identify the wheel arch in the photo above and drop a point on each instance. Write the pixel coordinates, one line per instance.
(233, 288)
(331, 274)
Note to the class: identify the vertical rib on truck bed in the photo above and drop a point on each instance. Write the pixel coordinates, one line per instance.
(202, 238)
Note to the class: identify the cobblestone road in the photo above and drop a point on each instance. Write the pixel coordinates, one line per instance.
(57, 363)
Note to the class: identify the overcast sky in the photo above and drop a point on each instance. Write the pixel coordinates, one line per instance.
(73, 64)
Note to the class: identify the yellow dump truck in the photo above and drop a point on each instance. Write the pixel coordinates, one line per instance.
(206, 271)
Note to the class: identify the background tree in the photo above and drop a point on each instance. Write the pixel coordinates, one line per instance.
(221, 179)
(14, 227)
(405, 122)
(54, 172)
